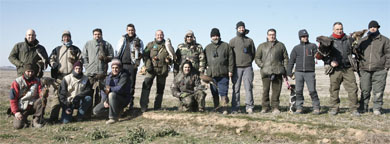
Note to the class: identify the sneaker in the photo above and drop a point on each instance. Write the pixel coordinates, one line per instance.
(276, 111)
(111, 121)
(234, 112)
(224, 112)
(264, 110)
(316, 111)
(333, 112)
(201, 110)
(249, 111)
(377, 112)
(298, 111)
(36, 123)
(355, 113)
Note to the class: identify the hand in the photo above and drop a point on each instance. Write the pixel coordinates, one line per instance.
(334, 64)
(106, 105)
(107, 89)
(167, 60)
(18, 116)
(230, 74)
(68, 111)
(54, 65)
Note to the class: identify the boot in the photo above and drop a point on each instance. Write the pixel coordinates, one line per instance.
(36, 123)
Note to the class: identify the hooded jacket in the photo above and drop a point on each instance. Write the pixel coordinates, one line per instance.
(192, 52)
(219, 59)
(303, 56)
(375, 52)
(243, 49)
(189, 83)
(23, 53)
(272, 58)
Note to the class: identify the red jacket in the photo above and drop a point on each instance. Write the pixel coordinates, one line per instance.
(19, 88)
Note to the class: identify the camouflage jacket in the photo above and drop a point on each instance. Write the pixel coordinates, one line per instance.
(193, 53)
(185, 84)
(154, 58)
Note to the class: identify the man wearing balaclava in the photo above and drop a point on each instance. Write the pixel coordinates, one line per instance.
(375, 49)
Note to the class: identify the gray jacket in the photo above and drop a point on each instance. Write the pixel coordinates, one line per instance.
(92, 63)
(375, 52)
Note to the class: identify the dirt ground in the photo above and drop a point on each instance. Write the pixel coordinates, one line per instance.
(171, 126)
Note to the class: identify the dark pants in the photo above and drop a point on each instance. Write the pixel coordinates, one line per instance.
(347, 77)
(37, 110)
(310, 79)
(147, 85)
(222, 90)
(276, 84)
(132, 69)
(116, 102)
(82, 107)
(375, 81)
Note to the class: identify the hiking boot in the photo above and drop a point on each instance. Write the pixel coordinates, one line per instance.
(377, 112)
(36, 123)
(249, 111)
(201, 110)
(234, 112)
(355, 113)
(333, 112)
(265, 110)
(298, 111)
(224, 103)
(276, 111)
(111, 121)
(144, 109)
(316, 111)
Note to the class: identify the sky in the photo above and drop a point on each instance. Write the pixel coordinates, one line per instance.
(49, 18)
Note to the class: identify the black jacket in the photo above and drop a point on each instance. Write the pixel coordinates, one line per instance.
(303, 56)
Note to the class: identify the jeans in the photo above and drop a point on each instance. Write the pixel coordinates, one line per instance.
(82, 107)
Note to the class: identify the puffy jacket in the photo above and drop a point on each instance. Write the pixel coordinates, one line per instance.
(24, 93)
(22, 54)
(154, 57)
(92, 63)
(135, 54)
(244, 50)
(65, 57)
(375, 52)
(119, 84)
(72, 87)
(303, 56)
(272, 58)
(219, 59)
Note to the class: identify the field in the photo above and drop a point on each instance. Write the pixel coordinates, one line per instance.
(170, 126)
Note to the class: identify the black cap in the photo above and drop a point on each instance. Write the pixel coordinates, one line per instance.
(302, 33)
(30, 66)
(215, 32)
(240, 23)
(373, 23)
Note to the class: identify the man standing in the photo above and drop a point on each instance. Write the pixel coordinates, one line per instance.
(272, 58)
(192, 51)
(375, 49)
(303, 56)
(75, 93)
(244, 54)
(343, 72)
(62, 59)
(129, 50)
(157, 65)
(220, 63)
(26, 98)
(29, 51)
(97, 53)
(115, 96)
(187, 87)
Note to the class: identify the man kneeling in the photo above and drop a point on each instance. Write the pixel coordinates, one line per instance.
(26, 98)
(188, 88)
(115, 96)
(75, 93)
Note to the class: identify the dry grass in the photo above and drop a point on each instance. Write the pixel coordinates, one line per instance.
(171, 126)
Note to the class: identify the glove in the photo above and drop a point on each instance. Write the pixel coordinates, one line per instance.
(184, 94)
(54, 66)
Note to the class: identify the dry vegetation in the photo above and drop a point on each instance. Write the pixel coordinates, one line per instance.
(170, 126)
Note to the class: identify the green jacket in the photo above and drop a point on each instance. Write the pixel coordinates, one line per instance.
(22, 54)
(375, 52)
(154, 57)
(193, 53)
(244, 50)
(219, 59)
(272, 58)
(92, 63)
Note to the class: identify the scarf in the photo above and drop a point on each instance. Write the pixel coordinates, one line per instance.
(68, 44)
(373, 35)
(33, 43)
(76, 75)
(338, 36)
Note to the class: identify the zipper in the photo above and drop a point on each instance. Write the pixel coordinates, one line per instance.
(369, 62)
(304, 56)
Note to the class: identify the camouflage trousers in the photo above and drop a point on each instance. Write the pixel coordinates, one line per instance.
(193, 102)
(55, 103)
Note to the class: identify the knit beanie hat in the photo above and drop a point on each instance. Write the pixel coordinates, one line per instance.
(240, 23)
(66, 32)
(77, 63)
(302, 33)
(373, 23)
(215, 32)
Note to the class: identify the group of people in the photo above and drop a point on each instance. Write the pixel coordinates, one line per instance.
(97, 92)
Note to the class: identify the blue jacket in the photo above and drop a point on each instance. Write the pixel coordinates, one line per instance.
(119, 84)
